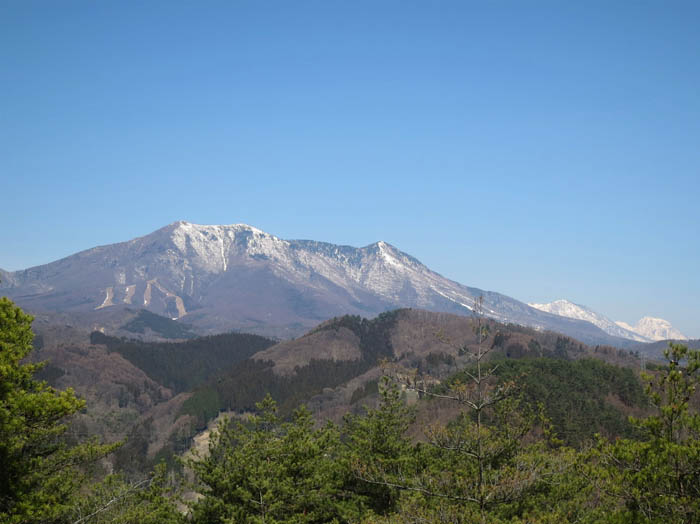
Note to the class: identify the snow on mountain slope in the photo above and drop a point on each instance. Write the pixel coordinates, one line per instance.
(655, 329)
(569, 309)
(222, 277)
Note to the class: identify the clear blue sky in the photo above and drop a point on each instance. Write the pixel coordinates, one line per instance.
(540, 149)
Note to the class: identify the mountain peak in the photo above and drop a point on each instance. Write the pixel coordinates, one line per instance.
(563, 301)
(646, 330)
(565, 308)
(190, 226)
(655, 329)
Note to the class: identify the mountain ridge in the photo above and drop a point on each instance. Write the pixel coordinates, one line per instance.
(648, 329)
(654, 329)
(569, 309)
(223, 277)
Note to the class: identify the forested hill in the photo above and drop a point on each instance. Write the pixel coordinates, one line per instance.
(326, 366)
(580, 397)
(172, 389)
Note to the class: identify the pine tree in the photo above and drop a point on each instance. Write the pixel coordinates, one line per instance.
(380, 455)
(39, 474)
(261, 470)
(657, 478)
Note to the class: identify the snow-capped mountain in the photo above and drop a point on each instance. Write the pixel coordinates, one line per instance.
(239, 277)
(655, 329)
(648, 329)
(568, 309)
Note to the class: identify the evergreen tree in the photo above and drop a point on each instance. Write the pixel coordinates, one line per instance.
(263, 471)
(657, 479)
(379, 454)
(39, 474)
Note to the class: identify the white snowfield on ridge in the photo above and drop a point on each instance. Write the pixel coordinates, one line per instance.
(648, 329)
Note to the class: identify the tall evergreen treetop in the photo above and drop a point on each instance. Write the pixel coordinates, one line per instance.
(39, 474)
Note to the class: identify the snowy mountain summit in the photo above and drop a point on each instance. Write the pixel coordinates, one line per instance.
(655, 329)
(568, 309)
(647, 329)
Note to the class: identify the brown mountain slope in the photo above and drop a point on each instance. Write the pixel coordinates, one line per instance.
(333, 368)
(324, 366)
(415, 334)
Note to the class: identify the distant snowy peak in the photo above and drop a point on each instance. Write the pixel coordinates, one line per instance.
(655, 329)
(564, 308)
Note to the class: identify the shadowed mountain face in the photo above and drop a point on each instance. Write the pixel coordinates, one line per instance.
(219, 278)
